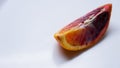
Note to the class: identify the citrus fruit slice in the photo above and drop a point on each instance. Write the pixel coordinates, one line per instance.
(86, 31)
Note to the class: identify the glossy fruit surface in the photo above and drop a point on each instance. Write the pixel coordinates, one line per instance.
(85, 31)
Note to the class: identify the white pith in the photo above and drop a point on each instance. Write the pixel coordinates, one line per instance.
(92, 17)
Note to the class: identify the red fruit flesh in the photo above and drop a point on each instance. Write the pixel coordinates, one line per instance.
(80, 20)
(92, 31)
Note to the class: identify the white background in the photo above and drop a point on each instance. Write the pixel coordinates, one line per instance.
(27, 28)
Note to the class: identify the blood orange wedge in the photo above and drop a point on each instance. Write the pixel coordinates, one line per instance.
(86, 31)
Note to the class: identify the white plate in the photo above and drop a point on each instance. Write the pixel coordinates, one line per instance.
(27, 28)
